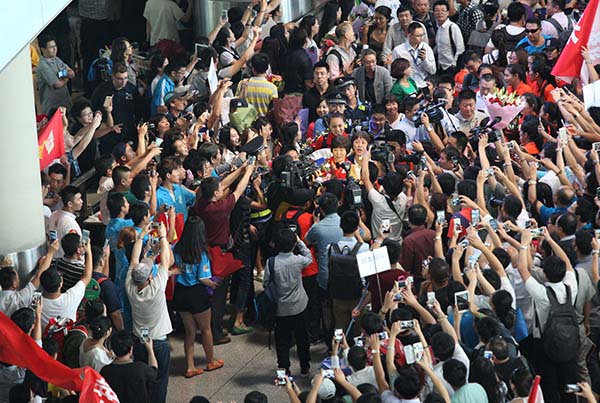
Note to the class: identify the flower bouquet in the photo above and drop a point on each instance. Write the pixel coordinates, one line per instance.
(277, 80)
(507, 106)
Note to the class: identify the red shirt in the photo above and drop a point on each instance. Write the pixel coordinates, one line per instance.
(339, 173)
(216, 219)
(417, 246)
(386, 280)
(317, 145)
(305, 221)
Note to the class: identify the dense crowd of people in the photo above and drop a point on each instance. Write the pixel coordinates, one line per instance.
(279, 151)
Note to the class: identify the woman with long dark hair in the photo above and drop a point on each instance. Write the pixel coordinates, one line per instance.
(120, 52)
(331, 17)
(543, 81)
(310, 24)
(483, 372)
(375, 30)
(191, 298)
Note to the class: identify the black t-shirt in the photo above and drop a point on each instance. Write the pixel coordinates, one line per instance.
(370, 90)
(124, 113)
(297, 69)
(89, 155)
(130, 381)
(311, 100)
(108, 292)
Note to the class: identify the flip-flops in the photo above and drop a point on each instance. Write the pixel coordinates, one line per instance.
(216, 364)
(193, 372)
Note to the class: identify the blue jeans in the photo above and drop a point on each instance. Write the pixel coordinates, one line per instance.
(163, 357)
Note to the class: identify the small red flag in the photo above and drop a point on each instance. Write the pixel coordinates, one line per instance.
(51, 142)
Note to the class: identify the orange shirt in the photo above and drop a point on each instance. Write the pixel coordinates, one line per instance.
(531, 148)
(521, 89)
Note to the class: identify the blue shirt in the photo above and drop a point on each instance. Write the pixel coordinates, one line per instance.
(321, 235)
(546, 212)
(114, 226)
(525, 44)
(180, 199)
(164, 86)
(193, 273)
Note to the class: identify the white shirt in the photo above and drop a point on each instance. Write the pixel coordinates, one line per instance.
(443, 48)
(63, 222)
(365, 375)
(149, 306)
(548, 28)
(438, 369)
(348, 56)
(412, 133)
(381, 210)
(540, 299)
(64, 306)
(96, 358)
(522, 297)
(480, 102)
(12, 300)
(422, 68)
(162, 15)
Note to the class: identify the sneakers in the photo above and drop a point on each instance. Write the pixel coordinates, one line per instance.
(222, 340)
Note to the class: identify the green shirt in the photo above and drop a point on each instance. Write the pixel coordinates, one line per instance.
(401, 92)
(470, 393)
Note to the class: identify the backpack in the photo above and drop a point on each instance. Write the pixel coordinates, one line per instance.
(511, 40)
(344, 278)
(99, 71)
(563, 34)
(265, 303)
(338, 55)
(286, 223)
(478, 39)
(59, 328)
(560, 336)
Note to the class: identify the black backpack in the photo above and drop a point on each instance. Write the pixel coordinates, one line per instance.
(286, 223)
(512, 40)
(265, 303)
(561, 332)
(344, 278)
(563, 34)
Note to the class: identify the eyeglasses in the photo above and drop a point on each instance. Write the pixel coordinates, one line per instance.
(532, 31)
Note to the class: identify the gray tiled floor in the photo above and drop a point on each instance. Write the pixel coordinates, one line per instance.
(249, 365)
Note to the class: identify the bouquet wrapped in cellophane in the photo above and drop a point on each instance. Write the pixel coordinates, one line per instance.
(507, 106)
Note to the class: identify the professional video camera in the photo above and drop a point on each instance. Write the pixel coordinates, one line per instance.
(487, 127)
(352, 190)
(298, 174)
(382, 152)
(433, 110)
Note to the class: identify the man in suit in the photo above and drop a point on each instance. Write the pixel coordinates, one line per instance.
(372, 81)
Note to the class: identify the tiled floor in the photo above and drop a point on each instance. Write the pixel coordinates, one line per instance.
(249, 365)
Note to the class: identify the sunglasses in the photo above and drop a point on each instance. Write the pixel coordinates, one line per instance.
(532, 31)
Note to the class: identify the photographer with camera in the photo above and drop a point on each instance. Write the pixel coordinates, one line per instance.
(391, 205)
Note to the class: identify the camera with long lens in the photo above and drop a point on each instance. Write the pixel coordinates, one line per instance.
(496, 202)
(486, 127)
(352, 190)
(382, 152)
(298, 174)
(433, 110)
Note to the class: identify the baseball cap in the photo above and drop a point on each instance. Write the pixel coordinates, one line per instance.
(141, 273)
(171, 96)
(552, 43)
(327, 389)
(301, 196)
(254, 146)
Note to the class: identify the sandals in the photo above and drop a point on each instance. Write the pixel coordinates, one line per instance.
(193, 372)
(216, 364)
(236, 331)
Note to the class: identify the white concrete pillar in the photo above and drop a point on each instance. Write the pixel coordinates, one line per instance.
(21, 214)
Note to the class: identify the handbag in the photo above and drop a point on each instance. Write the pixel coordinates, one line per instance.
(223, 263)
(479, 39)
(286, 109)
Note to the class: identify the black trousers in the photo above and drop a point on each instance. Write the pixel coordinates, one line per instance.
(313, 310)
(285, 327)
(218, 302)
(554, 376)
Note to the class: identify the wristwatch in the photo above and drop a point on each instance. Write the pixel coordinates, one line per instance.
(429, 128)
(374, 351)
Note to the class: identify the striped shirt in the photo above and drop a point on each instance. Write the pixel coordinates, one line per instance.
(260, 93)
(71, 271)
